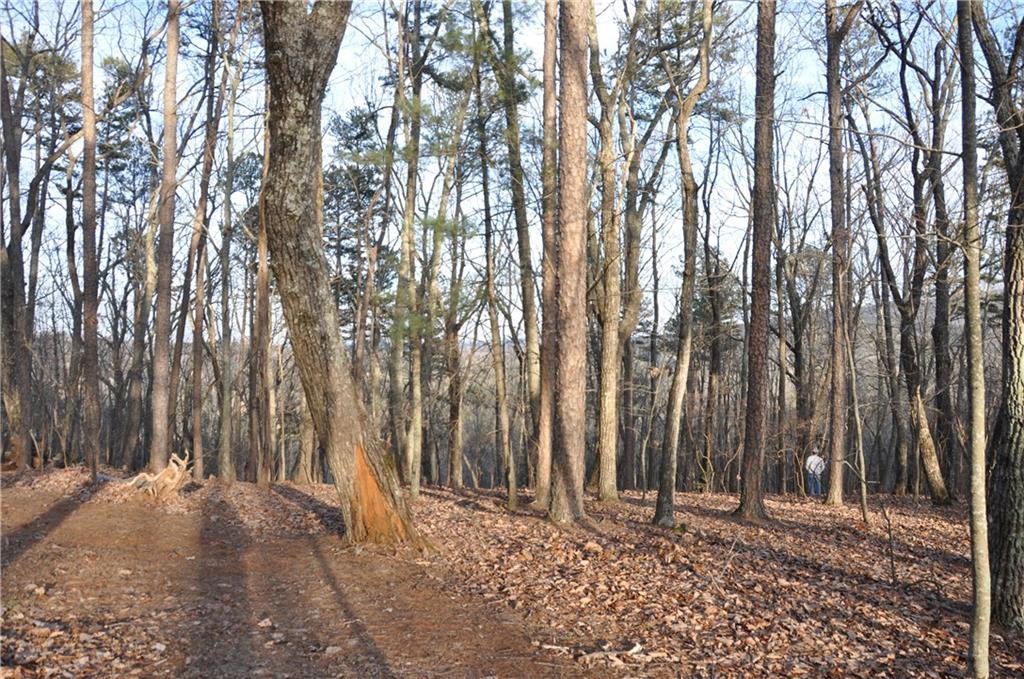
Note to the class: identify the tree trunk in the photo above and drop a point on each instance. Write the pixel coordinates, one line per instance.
(161, 404)
(571, 358)
(1006, 453)
(977, 658)
(90, 302)
(225, 452)
(406, 290)
(509, 96)
(261, 448)
(453, 351)
(549, 292)
(835, 33)
(763, 209)
(304, 469)
(607, 285)
(17, 375)
(664, 514)
(201, 223)
(301, 53)
(627, 418)
(503, 436)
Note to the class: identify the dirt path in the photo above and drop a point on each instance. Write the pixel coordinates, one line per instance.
(97, 589)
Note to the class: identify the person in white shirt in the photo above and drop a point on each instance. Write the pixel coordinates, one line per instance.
(814, 467)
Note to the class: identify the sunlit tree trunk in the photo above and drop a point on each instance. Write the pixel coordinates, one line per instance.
(90, 302)
(664, 514)
(161, 403)
(571, 359)
(835, 33)
(1006, 449)
(301, 52)
(549, 292)
(977, 658)
(763, 208)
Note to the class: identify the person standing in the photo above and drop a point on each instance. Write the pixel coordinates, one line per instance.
(814, 466)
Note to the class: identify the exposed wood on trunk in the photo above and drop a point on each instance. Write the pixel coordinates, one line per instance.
(301, 53)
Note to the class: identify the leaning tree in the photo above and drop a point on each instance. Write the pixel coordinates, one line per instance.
(301, 50)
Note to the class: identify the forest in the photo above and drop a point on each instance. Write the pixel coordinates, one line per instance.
(512, 338)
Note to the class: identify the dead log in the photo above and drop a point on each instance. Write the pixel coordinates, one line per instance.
(168, 482)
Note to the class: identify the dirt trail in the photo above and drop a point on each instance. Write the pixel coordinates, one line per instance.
(99, 589)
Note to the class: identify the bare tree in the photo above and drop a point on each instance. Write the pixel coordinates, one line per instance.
(664, 514)
(977, 658)
(302, 47)
(161, 404)
(549, 279)
(835, 33)
(90, 288)
(763, 211)
(1006, 449)
(571, 380)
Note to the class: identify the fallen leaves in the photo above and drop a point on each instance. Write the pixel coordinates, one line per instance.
(806, 595)
(810, 594)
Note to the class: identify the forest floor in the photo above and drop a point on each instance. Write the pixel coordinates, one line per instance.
(242, 581)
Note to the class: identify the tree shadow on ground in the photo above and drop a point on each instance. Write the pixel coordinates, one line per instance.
(328, 515)
(220, 642)
(23, 538)
(360, 635)
(789, 525)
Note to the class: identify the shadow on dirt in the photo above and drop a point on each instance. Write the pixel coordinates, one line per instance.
(22, 539)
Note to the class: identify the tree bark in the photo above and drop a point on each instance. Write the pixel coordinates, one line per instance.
(835, 33)
(664, 513)
(225, 449)
(1006, 449)
(977, 658)
(304, 469)
(571, 371)
(405, 293)
(261, 449)
(201, 223)
(90, 288)
(507, 74)
(503, 436)
(453, 352)
(161, 404)
(17, 373)
(751, 506)
(549, 280)
(301, 53)
(607, 282)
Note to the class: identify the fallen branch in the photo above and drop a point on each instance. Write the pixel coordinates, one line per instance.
(587, 658)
